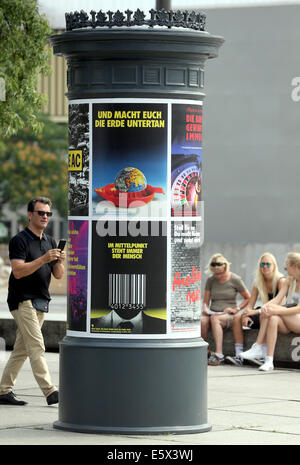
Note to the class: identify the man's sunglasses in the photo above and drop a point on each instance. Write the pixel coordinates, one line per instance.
(216, 264)
(42, 213)
(263, 264)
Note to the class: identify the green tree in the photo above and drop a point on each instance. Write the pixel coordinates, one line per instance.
(24, 55)
(35, 164)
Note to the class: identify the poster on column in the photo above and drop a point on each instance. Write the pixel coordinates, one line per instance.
(78, 165)
(136, 177)
(185, 292)
(77, 274)
(129, 160)
(186, 160)
(128, 278)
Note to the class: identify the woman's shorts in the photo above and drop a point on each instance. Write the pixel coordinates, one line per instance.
(228, 319)
(255, 319)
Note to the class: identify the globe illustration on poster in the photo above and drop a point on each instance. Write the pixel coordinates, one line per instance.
(129, 190)
(130, 180)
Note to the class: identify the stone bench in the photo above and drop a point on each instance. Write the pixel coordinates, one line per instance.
(287, 351)
(53, 332)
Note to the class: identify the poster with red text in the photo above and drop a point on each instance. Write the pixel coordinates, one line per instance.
(185, 283)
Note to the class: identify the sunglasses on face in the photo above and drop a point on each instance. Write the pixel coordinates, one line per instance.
(42, 213)
(263, 264)
(213, 264)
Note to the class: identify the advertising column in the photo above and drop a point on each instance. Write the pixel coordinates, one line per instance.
(133, 360)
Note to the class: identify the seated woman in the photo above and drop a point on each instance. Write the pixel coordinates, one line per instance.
(275, 317)
(219, 303)
(267, 284)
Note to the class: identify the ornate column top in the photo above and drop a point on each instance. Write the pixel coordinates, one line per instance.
(162, 18)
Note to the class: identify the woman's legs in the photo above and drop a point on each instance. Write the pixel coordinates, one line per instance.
(258, 350)
(292, 322)
(218, 323)
(238, 337)
(237, 330)
(205, 326)
(261, 337)
(284, 325)
(276, 323)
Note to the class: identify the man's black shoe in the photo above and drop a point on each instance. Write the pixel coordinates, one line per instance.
(52, 398)
(11, 399)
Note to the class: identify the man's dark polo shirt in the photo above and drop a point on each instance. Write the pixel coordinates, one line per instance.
(27, 246)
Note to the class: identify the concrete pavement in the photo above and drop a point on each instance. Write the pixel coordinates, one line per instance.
(245, 407)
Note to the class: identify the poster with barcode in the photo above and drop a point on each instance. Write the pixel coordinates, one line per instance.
(129, 277)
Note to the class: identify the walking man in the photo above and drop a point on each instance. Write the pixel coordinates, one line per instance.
(34, 257)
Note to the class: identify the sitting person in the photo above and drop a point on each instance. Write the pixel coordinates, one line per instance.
(267, 284)
(276, 317)
(219, 303)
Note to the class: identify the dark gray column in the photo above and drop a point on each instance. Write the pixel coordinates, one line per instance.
(131, 384)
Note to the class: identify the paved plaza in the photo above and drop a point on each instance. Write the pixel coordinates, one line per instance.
(245, 407)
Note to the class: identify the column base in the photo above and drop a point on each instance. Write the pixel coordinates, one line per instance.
(133, 387)
(139, 431)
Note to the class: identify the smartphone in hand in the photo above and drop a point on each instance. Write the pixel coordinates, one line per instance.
(61, 244)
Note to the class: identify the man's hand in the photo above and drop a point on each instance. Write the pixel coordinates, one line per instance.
(58, 269)
(52, 255)
(62, 257)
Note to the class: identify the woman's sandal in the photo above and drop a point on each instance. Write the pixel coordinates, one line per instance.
(214, 360)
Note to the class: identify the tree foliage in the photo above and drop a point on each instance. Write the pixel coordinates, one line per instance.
(24, 55)
(33, 165)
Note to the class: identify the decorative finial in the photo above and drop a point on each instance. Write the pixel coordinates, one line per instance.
(162, 18)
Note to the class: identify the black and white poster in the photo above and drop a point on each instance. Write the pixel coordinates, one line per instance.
(78, 165)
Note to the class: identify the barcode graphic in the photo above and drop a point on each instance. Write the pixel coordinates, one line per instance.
(127, 289)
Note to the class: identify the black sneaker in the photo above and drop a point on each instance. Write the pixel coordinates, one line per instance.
(237, 361)
(11, 399)
(52, 398)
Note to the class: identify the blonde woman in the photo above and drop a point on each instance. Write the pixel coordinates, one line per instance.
(279, 318)
(268, 282)
(219, 303)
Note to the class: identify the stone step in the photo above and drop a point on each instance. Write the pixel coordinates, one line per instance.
(287, 352)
